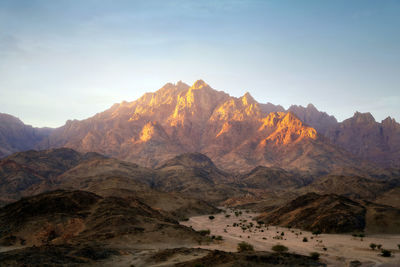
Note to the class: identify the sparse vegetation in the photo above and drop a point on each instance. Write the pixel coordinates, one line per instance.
(316, 233)
(280, 248)
(219, 238)
(372, 246)
(386, 253)
(211, 217)
(204, 232)
(244, 246)
(314, 255)
(305, 239)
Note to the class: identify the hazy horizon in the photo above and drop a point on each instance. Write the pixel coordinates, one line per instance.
(62, 60)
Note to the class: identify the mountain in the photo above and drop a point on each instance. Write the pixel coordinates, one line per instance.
(363, 136)
(238, 134)
(16, 136)
(332, 213)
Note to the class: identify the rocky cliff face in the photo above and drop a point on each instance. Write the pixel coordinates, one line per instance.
(16, 136)
(321, 121)
(236, 133)
(371, 140)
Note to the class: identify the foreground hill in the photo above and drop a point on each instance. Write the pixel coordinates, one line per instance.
(238, 134)
(74, 217)
(32, 172)
(29, 173)
(16, 136)
(334, 214)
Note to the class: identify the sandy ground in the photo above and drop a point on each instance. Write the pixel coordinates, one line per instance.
(340, 249)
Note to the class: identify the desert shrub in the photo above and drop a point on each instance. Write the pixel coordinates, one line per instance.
(211, 217)
(227, 215)
(372, 246)
(204, 232)
(314, 255)
(282, 234)
(219, 238)
(244, 246)
(317, 232)
(279, 248)
(398, 245)
(386, 253)
(379, 246)
(305, 239)
(325, 249)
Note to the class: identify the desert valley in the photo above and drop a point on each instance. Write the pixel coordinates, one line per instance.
(191, 176)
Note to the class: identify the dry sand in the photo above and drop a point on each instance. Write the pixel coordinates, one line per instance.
(340, 248)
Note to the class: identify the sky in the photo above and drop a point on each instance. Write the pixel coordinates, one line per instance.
(69, 59)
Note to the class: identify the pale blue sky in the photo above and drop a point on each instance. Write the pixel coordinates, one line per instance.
(70, 59)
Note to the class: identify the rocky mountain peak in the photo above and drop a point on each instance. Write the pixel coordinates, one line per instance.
(390, 122)
(366, 117)
(247, 99)
(199, 84)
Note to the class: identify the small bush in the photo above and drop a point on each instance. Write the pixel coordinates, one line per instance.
(386, 253)
(219, 238)
(379, 246)
(398, 245)
(204, 232)
(282, 234)
(317, 232)
(244, 246)
(211, 217)
(279, 248)
(227, 215)
(372, 246)
(314, 255)
(305, 239)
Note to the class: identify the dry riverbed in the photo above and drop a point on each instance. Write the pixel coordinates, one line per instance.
(335, 249)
